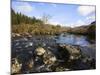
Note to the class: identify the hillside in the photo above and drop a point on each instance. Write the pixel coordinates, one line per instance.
(85, 30)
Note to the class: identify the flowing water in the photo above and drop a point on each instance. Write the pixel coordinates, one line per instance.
(73, 39)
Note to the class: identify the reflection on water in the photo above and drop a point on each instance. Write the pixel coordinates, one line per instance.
(73, 39)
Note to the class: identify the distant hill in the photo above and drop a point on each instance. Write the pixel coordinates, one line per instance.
(89, 29)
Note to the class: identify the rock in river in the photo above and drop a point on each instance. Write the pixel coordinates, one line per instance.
(73, 51)
(45, 57)
(40, 51)
(49, 58)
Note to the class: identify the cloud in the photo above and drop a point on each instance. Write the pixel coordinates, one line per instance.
(86, 10)
(90, 17)
(23, 7)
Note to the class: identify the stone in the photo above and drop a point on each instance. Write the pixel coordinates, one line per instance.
(49, 58)
(73, 51)
(16, 66)
(18, 35)
(15, 35)
(40, 51)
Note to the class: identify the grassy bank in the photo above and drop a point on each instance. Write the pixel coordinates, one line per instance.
(38, 29)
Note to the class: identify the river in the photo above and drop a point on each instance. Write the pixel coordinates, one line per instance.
(84, 42)
(74, 39)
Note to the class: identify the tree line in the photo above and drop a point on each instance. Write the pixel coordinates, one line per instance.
(18, 18)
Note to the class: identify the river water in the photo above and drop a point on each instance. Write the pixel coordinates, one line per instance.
(73, 39)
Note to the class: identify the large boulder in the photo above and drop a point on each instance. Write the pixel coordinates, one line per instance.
(49, 58)
(73, 52)
(44, 57)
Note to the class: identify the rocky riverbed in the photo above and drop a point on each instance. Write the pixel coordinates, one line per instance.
(35, 54)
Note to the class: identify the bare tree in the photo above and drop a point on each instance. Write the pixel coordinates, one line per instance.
(46, 18)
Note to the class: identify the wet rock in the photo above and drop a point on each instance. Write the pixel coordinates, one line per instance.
(44, 59)
(16, 66)
(73, 51)
(27, 61)
(49, 58)
(46, 55)
(40, 51)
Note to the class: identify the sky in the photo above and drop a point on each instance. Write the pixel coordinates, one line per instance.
(69, 15)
